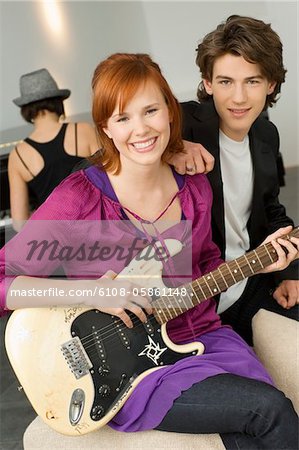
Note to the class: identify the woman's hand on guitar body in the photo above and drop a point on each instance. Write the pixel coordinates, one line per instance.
(117, 298)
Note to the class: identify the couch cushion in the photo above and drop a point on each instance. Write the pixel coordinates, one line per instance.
(276, 343)
(38, 436)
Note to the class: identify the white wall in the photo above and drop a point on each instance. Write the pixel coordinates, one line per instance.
(90, 31)
(169, 30)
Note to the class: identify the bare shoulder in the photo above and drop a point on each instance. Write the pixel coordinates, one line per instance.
(20, 150)
(86, 127)
(25, 160)
(85, 140)
(15, 165)
(87, 132)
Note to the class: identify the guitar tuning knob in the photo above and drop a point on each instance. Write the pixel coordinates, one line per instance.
(97, 412)
(104, 390)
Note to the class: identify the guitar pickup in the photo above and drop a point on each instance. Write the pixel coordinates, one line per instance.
(149, 327)
(76, 357)
(98, 343)
(121, 331)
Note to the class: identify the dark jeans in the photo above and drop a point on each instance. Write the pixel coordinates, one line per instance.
(257, 295)
(248, 414)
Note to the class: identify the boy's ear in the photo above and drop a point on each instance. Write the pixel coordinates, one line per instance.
(208, 86)
(271, 87)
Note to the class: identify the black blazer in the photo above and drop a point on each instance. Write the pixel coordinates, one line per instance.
(201, 124)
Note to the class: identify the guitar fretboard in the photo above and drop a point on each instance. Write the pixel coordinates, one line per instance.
(227, 274)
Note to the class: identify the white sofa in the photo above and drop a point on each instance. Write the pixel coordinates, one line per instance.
(276, 342)
(39, 436)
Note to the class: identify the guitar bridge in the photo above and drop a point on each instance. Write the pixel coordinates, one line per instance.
(76, 357)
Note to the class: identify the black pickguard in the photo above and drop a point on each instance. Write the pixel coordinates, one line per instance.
(114, 351)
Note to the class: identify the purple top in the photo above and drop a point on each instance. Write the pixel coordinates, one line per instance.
(88, 195)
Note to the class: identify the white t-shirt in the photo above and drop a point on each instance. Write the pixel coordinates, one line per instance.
(237, 177)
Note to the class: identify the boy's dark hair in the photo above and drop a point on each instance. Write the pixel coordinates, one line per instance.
(31, 110)
(250, 38)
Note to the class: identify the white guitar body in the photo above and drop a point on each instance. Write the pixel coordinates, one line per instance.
(34, 338)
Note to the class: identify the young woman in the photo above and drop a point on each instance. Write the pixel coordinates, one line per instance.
(226, 389)
(38, 164)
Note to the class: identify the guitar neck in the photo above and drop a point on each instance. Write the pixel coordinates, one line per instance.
(227, 274)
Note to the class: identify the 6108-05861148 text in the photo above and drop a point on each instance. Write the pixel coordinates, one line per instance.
(101, 292)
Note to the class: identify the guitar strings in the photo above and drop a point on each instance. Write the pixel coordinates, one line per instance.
(169, 305)
(111, 327)
(114, 337)
(104, 332)
(113, 342)
(119, 323)
(114, 333)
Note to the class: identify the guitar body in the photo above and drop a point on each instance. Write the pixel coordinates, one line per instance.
(78, 366)
(34, 338)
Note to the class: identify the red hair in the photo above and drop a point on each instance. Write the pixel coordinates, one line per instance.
(116, 80)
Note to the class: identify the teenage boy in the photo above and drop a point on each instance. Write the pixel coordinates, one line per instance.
(242, 72)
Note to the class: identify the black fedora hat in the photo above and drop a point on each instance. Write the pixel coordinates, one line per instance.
(39, 85)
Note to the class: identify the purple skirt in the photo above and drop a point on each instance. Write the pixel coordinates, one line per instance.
(225, 352)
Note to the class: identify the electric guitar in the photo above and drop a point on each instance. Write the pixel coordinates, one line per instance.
(78, 366)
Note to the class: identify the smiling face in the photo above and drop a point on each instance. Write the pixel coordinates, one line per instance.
(141, 132)
(239, 91)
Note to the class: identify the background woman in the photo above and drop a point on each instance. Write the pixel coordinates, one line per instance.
(47, 156)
